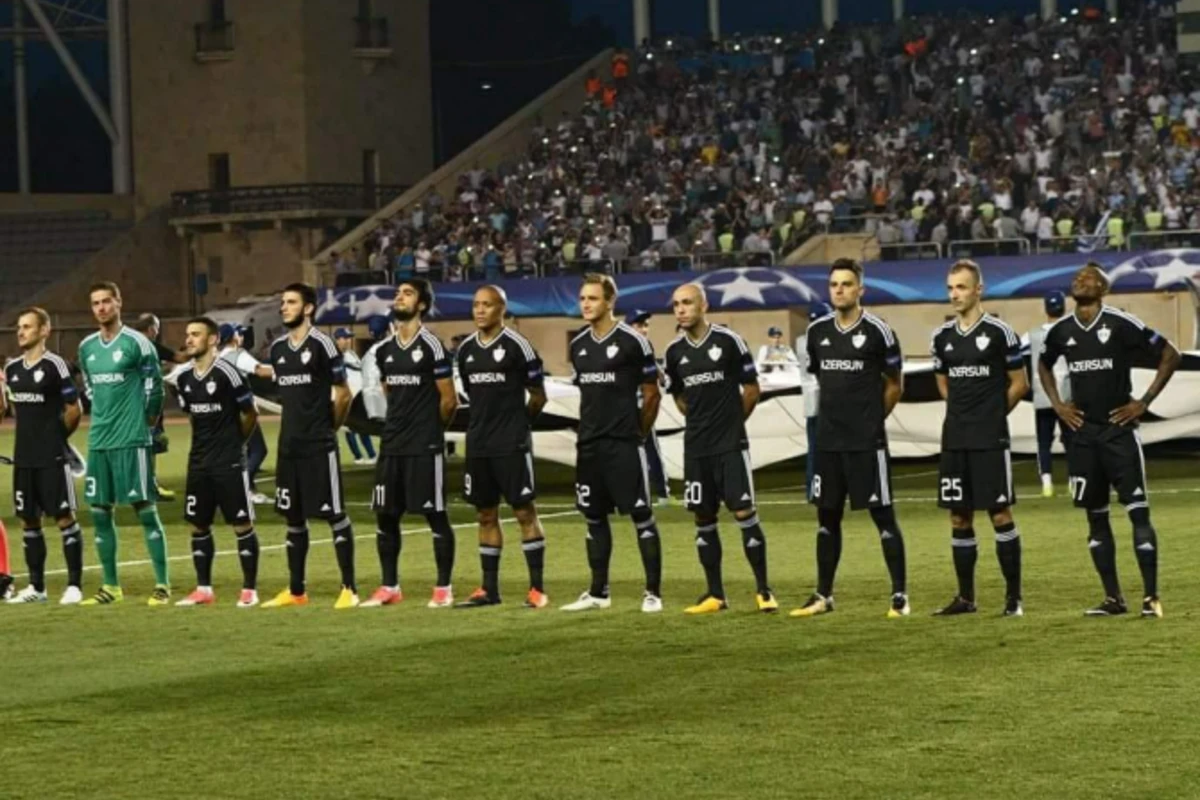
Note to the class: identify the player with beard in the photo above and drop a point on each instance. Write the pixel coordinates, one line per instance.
(980, 373)
(856, 358)
(314, 398)
(1101, 344)
(498, 366)
(223, 416)
(416, 376)
(711, 375)
(46, 406)
(612, 362)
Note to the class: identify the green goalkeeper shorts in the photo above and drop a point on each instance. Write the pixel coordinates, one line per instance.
(119, 477)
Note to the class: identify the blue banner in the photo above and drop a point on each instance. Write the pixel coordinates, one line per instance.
(751, 288)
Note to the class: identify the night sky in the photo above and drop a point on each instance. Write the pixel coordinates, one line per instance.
(489, 59)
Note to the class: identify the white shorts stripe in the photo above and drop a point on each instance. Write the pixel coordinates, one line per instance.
(70, 479)
(1137, 437)
(749, 475)
(335, 483)
(645, 474)
(885, 491)
(1008, 483)
(142, 474)
(529, 471)
(249, 497)
(439, 477)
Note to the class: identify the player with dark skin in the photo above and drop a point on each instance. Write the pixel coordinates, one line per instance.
(1088, 289)
(1101, 345)
(488, 311)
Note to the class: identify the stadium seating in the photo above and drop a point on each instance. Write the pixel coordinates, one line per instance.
(37, 249)
(930, 131)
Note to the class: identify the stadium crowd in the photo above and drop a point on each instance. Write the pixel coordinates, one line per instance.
(694, 154)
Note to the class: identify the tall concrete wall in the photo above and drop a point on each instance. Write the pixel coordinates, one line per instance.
(146, 262)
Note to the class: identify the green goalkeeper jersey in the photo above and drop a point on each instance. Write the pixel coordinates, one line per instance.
(124, 382)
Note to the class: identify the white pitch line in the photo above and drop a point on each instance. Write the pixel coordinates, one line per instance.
(264, 548)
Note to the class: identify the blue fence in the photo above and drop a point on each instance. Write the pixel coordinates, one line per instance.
(748, 288)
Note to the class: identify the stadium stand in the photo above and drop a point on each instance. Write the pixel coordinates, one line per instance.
(37, 249)
(976, 135)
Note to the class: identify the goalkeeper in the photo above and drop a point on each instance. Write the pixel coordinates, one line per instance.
(122, 377)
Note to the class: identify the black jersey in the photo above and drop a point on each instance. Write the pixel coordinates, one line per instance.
(495, 376)
(1099, 357)
(305, 375)
(709, 374)
(38, 393)
(409, 372)
(850, 364)
(976, 362)
(215, 399)
(609, 373)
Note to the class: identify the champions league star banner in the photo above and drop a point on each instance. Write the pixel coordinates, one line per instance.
(751, 288)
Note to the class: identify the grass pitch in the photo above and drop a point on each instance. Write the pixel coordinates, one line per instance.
(406, 702)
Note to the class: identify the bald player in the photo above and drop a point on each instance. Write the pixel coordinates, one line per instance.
(499, 368)
(711, 376)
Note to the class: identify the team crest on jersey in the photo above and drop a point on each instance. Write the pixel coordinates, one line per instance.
(498, 354)
(38, 375)
(1103, 334)
(982, 341)
(305, 356)
(418, 354)
(117, 356)
(858, 340)
(611, 351)
(714, 352)
(211, 387)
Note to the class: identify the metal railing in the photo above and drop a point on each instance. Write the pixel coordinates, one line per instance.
(1062, 244)
(285, 197)
(1179, 237)
(901, 251)
(705, 261)
(214, 37)
(972, 248)
(371, 33)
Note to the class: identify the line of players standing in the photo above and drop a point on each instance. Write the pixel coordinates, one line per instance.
(711, 376)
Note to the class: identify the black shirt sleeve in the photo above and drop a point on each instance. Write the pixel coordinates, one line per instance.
(671, 373)
(744, 364)
(893, 361)
(535, 375)
(1051, 349)
(1142, 340)
(935, 350)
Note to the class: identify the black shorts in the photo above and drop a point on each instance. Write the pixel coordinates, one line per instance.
(207, 491)
(309, 487)
(611, 475)
(979, 480)
(865, 476)
(1103, 456)
(43, 491)
(488, 477)
(709, 481)
(415, 484)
